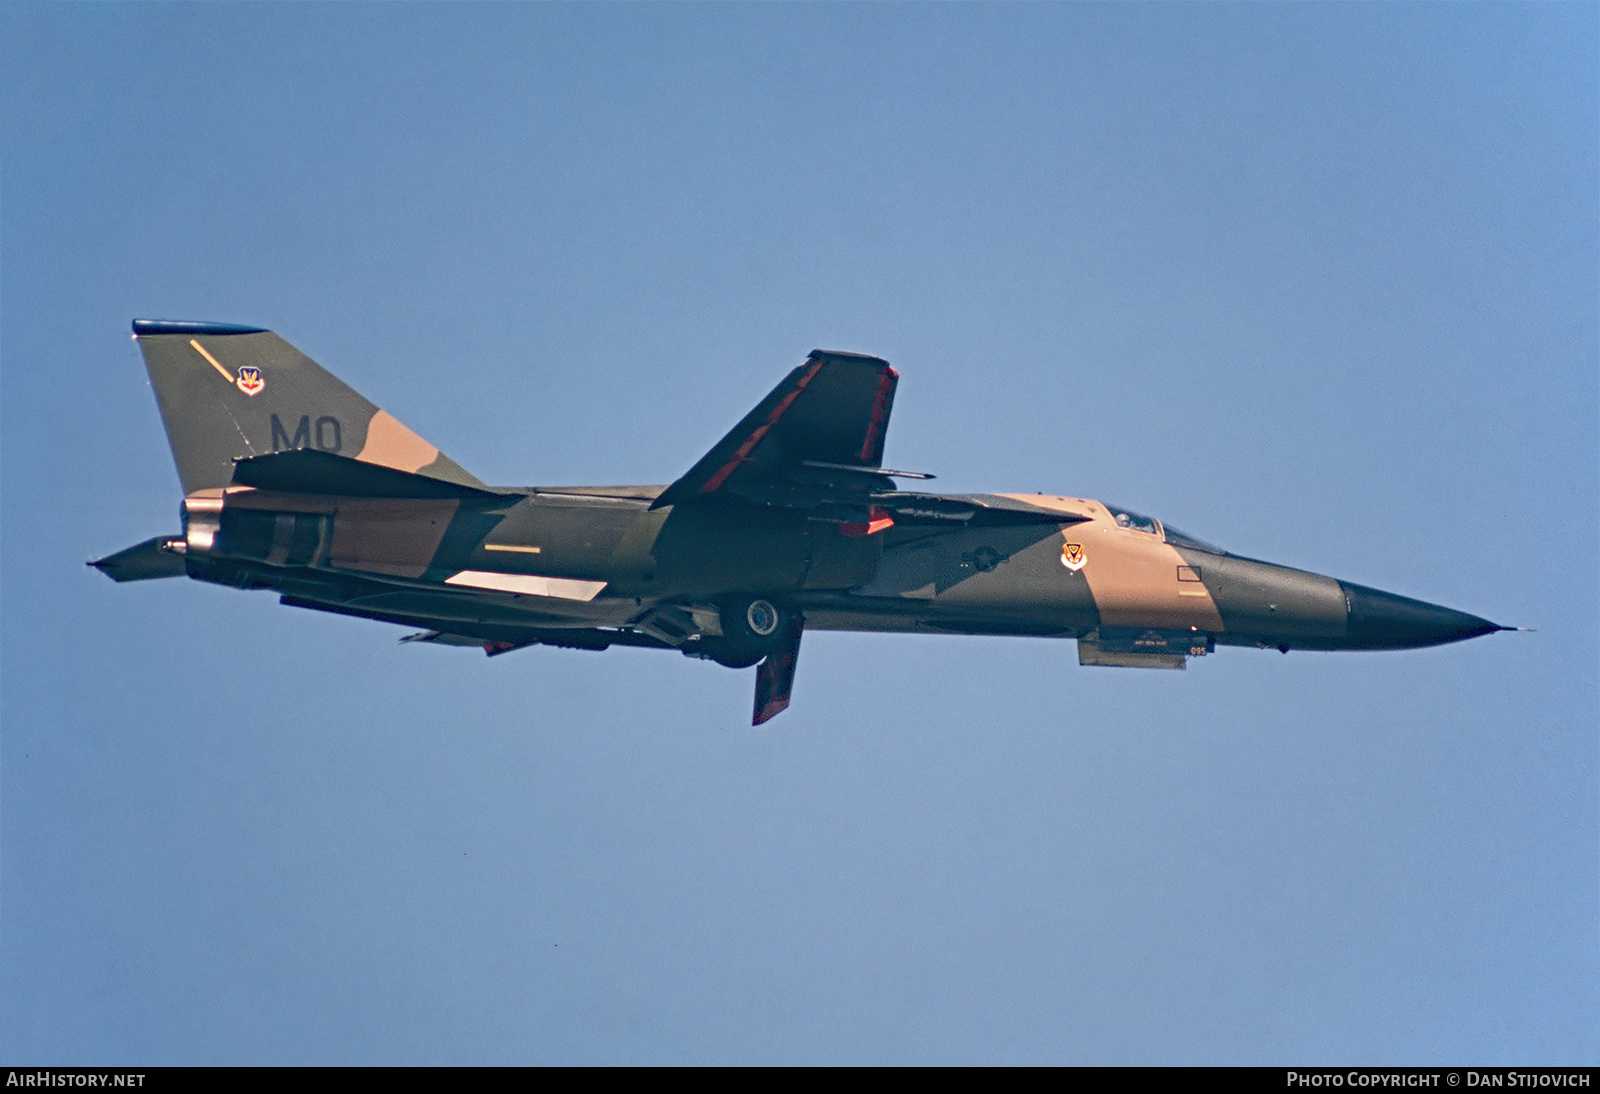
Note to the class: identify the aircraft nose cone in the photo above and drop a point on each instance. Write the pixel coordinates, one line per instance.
(1383, 621)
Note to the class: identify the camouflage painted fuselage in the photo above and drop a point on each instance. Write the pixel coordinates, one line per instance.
(583, 557)
(295, 483)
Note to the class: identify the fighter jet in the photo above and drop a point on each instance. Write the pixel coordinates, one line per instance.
(295, 483)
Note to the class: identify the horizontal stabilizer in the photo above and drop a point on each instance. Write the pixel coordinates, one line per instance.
(307, 471)
(144, 562)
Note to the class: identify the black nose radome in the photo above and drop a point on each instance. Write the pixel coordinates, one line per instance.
(1383, 621)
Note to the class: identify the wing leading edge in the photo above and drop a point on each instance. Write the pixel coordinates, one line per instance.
(821, 428)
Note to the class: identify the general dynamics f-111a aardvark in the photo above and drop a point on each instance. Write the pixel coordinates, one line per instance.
(294, 482)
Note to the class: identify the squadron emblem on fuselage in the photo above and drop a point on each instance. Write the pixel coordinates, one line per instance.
(1072, 556)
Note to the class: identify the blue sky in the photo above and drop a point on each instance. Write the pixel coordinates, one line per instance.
(1316, 282)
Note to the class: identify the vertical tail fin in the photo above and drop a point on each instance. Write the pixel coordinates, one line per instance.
(228, 392)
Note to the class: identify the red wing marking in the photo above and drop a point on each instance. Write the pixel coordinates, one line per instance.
(879, 412)
(878, 520)
(744, 450)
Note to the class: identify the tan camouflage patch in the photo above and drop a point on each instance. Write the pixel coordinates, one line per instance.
(1135, 580)
(390, 444)
(380, 536)
(1075, 507)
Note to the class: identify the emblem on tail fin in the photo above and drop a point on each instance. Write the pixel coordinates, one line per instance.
(250, 381)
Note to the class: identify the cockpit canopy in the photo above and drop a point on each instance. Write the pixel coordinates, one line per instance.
(1127, 518)
(1138, 522)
